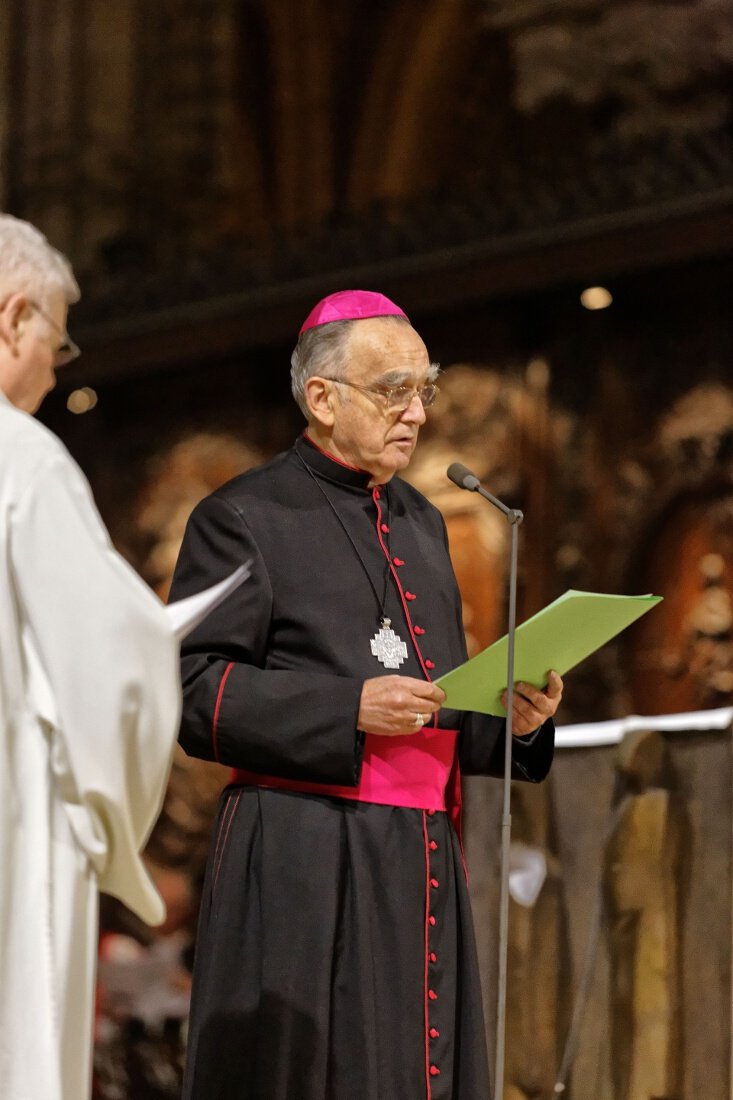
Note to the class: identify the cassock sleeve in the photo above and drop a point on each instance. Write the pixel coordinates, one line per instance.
(290, 723)
(103, 677)
(481, 749)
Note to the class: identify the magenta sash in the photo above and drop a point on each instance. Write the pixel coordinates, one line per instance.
(416, 770)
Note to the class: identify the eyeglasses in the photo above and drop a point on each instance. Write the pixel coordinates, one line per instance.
(395, 398)
(67, 350)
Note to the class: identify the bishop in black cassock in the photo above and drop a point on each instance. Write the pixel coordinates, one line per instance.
(335, 956)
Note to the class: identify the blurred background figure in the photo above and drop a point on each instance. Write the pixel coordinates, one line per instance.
(143, 994)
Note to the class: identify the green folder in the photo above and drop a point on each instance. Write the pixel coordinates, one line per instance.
(559, 637)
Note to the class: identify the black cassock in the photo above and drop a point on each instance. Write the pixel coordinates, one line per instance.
(335, 955)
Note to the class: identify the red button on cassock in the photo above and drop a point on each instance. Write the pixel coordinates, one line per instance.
(430, 664)
(431, 920)
(433, 845)
(434, 1071)
(432, 995)
(410, 596)
(430, 813)
(384, 528)
(376, 494)
(419, 630)
(433, 957)
(434, 883)
(398, 561)
(434, 1033)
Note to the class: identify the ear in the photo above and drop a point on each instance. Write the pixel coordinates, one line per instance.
(12, 320)
(320, 398)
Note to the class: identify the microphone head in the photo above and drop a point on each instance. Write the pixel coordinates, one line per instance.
(461, 476)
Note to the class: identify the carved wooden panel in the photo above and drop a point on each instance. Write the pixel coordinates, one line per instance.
(682, 656)
(178, 479)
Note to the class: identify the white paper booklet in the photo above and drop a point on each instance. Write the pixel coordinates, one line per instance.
(187, 613)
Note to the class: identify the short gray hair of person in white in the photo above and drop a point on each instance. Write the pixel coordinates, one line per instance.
(30, 265)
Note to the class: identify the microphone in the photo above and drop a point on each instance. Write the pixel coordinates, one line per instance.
(461, 476)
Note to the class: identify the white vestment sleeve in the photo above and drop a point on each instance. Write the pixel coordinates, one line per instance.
(103, 664)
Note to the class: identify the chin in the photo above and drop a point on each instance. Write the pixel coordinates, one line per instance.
(388, 472)
(392, 461)
(401, 458)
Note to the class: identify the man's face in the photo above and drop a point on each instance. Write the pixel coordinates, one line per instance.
(30, 349)
(366, 432)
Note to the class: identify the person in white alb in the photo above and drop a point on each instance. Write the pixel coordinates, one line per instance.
(89, 703)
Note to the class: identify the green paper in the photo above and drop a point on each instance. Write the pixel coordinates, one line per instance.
(559, 637)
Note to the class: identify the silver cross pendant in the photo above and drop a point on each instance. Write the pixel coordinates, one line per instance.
(388, 647)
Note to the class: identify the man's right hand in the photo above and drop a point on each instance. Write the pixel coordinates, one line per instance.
(393, 705)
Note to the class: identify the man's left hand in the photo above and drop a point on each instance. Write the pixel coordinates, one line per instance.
(531, 706)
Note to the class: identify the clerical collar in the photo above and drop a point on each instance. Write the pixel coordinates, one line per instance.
(326, 465)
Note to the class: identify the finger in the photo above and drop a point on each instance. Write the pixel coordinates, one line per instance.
(534, 696)
(425, 690)
(522, 728)
(415, 720)
(529, 714)
(525, 721)
(420, 687)
(554, 686)
(423, 706)
(527, 691)
(522, 698)
(410, 702)
(545, 704)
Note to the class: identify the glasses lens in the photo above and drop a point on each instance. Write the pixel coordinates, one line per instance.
(399, 397)
(402, 396)
(68, 350)
(67, 353)
(428, 395)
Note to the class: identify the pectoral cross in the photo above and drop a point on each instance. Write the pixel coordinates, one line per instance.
(388, 647)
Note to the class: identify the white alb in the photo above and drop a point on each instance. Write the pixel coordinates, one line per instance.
(89, 708)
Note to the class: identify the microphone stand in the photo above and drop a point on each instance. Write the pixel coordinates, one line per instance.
(465, 480)
(514, 518)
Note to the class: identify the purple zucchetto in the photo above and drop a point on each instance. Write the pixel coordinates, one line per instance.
(351, 305)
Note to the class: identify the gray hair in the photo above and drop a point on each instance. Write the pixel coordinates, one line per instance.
(322, 351)
(30, 265)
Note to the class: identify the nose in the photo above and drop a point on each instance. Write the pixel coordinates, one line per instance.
(415, 411)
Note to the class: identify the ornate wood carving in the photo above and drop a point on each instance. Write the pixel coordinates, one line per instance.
(680, 519)
(539, 959)
(193, 148)
(644, 879)
(178, 479)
